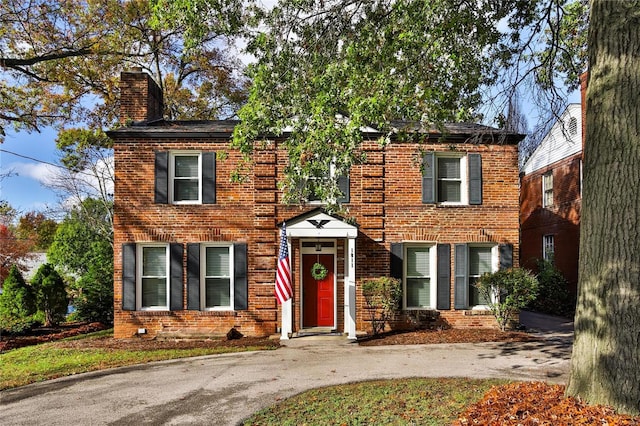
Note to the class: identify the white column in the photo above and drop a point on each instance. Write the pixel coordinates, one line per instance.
(350, 289)
(286, 325)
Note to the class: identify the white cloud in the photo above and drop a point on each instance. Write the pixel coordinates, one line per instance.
(43, 173)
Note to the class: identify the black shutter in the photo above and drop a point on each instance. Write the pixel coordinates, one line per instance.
(161, 178)
(444, 277)
(193, 276)
(129, 277)
(397, 256)
(506, 255)
(343, 186)
(240, 283)
(461, 287)
(208, 178)
(175, 273)
(475, 178)
(428, 178)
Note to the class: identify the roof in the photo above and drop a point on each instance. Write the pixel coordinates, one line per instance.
(224, 128)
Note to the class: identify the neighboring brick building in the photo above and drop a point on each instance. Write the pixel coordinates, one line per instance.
(551, 198)
(196, 254)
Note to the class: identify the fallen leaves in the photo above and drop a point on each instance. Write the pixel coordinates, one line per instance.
(537, 403)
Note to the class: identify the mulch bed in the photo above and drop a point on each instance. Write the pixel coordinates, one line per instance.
(451, 335)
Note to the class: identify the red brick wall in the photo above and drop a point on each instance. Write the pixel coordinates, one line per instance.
(385, 201)
(562, 220)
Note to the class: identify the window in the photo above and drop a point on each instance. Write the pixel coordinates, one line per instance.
(547, 189)
(217, 291)
(480, 262)
(153, 285)
(471, 261)
(420, 286)
(452, 179)
(185, 177)
(449, 174)
(217, 276)
(315, 184)
(548, 248)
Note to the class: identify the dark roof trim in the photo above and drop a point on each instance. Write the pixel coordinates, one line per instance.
(223, 129)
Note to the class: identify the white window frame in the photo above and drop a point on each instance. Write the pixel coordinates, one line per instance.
(464, 180)
(548, 247)
(433, 276)
(172, 176)
(203, 277)
(495, 265)
(139, 270)
(547, 189)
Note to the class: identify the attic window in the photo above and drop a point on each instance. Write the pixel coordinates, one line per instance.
(573, 126)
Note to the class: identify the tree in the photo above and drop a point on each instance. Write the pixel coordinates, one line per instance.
(605, 362)
(50, 294)
(17, 303)
(58, 58)
(83, 252)
(36, 228)
(509, 291)
(13, 251)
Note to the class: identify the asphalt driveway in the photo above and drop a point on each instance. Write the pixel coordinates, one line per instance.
(224, 389)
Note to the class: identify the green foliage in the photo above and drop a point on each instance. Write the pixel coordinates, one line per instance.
(328, 69)
(382, 296)
(51, 294)
(17, 303)
(509, 290)
(80, 249)
(554, 296)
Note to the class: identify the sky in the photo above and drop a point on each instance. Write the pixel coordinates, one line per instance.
(30, 170)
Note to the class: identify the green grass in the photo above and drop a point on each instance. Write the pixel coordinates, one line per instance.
(31, 364)
(389, 402)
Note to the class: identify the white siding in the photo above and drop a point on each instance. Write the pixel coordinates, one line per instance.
(558, 143)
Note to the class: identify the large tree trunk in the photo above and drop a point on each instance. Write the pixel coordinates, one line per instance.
(605, 365)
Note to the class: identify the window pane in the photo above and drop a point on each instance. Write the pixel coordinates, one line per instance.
(418, 262)
(154, 261)
(185, 189)
(217, 262)
(479, 260)
(218, 292)
(154, 292)
(448, 168)
(475, 298)
(186, 166)
(449, 191)
(418, 293)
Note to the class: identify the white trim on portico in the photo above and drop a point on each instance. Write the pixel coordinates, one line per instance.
(317, 224)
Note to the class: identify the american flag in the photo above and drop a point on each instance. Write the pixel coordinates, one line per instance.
(283, 275)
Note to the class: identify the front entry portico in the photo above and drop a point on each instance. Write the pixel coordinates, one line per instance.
(317, 235)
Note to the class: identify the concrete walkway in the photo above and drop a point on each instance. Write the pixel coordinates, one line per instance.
(224, 389)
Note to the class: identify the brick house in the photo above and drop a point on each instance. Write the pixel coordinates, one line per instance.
(551, 198)
(196, 254)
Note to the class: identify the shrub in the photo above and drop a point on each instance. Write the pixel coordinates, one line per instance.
(509, 290)
(51, 295)
(382, 296)
(17, 303)
(554, 296)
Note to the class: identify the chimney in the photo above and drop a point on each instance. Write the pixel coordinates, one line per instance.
(584, 77)
(140, 97)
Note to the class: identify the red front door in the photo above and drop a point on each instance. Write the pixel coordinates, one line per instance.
(318, 303)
